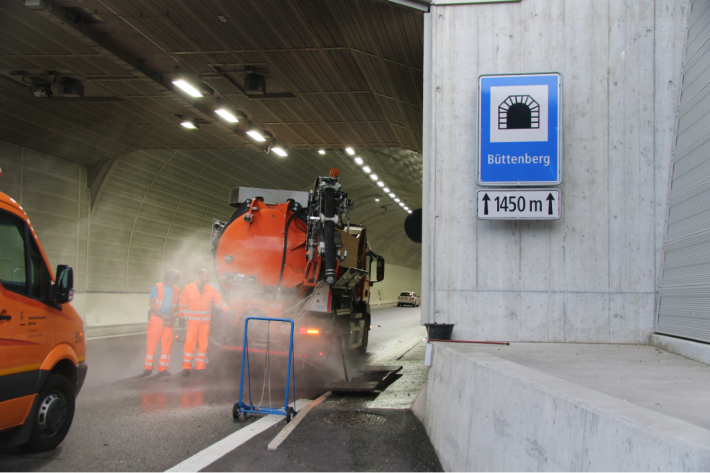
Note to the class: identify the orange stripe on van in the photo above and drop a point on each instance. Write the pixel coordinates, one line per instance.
(19, 369)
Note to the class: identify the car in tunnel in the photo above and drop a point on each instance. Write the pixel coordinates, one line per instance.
(42, 343)
(408, 298)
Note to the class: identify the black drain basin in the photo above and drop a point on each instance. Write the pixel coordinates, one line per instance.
(355, 419)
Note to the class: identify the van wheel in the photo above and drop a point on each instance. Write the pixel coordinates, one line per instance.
(54, 415)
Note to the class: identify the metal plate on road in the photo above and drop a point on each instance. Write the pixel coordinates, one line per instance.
(518, 204)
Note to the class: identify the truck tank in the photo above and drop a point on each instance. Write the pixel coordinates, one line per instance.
(288, 254)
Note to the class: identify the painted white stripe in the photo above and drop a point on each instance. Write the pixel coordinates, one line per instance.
(216, 451)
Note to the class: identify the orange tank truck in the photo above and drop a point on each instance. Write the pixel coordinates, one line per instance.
(42, 344)
(291, 254)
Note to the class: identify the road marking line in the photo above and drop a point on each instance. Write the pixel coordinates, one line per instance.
(274, 444)
(217, 450)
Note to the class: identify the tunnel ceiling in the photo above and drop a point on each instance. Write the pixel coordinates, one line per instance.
(337, 74)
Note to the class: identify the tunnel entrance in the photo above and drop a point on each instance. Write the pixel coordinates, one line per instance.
(518, 112)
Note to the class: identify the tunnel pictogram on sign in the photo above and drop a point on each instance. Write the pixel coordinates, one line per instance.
(518, 112)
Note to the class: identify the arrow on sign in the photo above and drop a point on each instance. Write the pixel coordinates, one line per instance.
(485, 204)
(549, 207)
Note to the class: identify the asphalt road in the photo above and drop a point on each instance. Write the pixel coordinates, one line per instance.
(127, 423)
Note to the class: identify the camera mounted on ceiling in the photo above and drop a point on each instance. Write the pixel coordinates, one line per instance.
(254, 82)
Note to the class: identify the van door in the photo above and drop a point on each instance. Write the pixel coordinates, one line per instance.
(37, 313)
(14, 287)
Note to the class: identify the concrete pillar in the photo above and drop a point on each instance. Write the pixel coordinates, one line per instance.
(591, 276)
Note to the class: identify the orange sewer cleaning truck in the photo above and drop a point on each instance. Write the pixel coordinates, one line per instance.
(294, 254)
(42, 346)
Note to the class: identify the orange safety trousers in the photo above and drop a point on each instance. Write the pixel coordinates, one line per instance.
(157, 332)
(198, 334)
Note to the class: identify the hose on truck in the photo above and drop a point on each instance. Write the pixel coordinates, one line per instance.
(329, 237)
(283, 258)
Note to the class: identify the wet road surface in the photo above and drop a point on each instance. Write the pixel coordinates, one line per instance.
(124, 422)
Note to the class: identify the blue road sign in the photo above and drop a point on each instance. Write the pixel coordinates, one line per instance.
(520, 129)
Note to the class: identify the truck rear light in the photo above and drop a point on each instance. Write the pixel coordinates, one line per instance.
(309, 331)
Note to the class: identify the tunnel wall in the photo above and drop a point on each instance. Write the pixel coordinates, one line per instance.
(104, 308)
(53, 192)
(397, 279)
(592, 275)
(143, 222)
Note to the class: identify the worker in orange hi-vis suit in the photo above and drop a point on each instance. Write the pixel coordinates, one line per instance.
(163, 312)
(196, 302)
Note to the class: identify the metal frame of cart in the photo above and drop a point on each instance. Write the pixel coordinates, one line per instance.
(241, 407)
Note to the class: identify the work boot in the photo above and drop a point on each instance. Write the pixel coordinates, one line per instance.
(146, 373)
(163, 373)
(186, 372)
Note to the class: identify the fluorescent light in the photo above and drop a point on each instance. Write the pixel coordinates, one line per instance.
(386, 189)
(377, 200)
(401, 204)
(397, 200)
(367, 169)
(321, 151)
(392, 194)
(381, 184)
(256, 135)
(373, 176)
(406, 208)
(350, 151)
(189, 124)
(359, 160)
(280, 151)
(187, 88)
(226, 115)
(409, 211)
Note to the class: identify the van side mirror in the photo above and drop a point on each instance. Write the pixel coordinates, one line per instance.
(380, 269)
(64, 286)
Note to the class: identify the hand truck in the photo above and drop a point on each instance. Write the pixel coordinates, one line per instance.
(242, 408)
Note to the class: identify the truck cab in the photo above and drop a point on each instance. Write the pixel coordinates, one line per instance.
(42, 343)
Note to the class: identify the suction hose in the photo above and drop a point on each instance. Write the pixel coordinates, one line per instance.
(329, 237)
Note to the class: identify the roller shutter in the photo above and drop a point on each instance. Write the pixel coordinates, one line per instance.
(684, 292)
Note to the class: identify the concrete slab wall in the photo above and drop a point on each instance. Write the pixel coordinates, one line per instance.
(545, 423)
(591, 276)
